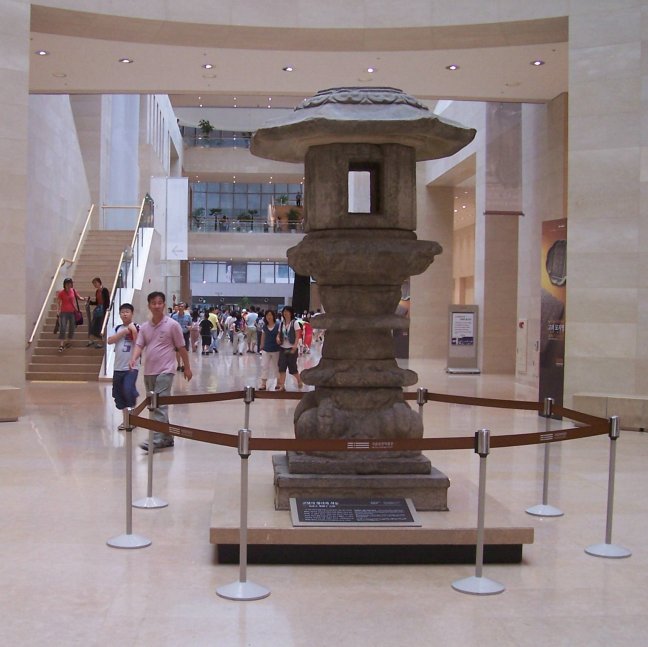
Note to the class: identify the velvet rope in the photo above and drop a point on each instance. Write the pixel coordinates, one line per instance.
(592, 426)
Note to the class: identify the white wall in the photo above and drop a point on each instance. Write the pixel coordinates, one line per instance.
(59, 197)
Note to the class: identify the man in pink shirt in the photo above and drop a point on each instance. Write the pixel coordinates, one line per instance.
(162, 337)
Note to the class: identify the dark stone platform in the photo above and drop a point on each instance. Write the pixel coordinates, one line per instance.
(427, 491)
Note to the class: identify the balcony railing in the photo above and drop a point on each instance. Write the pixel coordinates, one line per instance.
(211, 141)
(211, 224)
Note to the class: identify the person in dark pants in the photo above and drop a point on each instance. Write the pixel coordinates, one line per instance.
(101, 302)
(124, 337)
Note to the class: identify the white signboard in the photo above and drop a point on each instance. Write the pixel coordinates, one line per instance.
(463, 329)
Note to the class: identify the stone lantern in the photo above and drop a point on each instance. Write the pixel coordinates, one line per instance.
(360, 147)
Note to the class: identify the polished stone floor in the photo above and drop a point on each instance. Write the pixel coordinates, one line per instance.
(62, 496)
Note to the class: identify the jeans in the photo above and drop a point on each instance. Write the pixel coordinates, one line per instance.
(160, 384)
(67, 323)
(123, 390)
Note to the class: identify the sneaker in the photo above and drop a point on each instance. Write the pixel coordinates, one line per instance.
(157, 444)
(179, 368)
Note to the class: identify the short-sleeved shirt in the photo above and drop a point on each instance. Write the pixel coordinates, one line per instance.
(160, 342)
(184, 320)
(123, 349)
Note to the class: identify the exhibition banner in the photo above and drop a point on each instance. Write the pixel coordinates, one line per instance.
(552, 309)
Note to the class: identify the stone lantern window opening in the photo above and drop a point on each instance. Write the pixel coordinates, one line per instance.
(364, 188)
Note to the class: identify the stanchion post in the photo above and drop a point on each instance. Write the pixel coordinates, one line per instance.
(421, 399)
(151, 502)
(129, 540)
(248, 398)
(478, 585)
(608, 549)
(544, 509)
(243, 590)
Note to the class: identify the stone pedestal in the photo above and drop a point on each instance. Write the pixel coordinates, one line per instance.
(427, 491)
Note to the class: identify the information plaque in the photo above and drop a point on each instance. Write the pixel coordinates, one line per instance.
(353, 512)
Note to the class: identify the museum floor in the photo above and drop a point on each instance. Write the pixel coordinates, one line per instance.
(62, 496)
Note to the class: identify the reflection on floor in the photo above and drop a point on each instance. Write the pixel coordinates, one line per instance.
(62, 497)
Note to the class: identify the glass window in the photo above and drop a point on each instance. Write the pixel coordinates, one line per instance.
(224, 273)
(240, 188)
(280, 189)
(253, 272)
(254, 201)
(211, 273)
(227, 187)
(240, 202)
(267, 272)
(267, 188)
(214, 187)
(197, 201)
(254, 188)
(282, 273)
(227, 201)
(213, 201)
(239, 272)
(195, 271)
(199, 187)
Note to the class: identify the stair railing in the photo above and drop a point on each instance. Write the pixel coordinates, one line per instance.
(55, 278)
(129, 260)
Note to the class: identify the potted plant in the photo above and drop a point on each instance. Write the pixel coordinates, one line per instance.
(197, 217)
(282, 199)
(294, 218)
(205, 127)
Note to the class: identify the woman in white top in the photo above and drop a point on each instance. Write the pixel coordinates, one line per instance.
(289, 335)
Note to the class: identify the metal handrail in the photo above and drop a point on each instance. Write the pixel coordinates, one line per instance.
(134, 252)
(62, 262)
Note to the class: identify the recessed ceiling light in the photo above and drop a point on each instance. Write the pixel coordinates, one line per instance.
(452, 67)
(371, 70)
(537, 63)
(59, 75)
(208, 66)
(126, 60)
(288, 68)
(42, 52)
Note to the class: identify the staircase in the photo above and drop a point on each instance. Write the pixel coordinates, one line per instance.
(99, 256)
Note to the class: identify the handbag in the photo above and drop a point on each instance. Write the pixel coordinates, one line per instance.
(78, 315)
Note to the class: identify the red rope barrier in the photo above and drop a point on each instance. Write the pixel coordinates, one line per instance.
(593, 426)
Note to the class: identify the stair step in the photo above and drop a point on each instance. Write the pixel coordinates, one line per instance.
(67, 376)
(98, 257)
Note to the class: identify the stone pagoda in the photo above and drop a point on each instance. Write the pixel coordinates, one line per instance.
(360, 147)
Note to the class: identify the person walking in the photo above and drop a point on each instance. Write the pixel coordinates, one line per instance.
(67, 305)
(250, 329)
(161, 337)
(269, 348)
(216, 329)
(184, 319)
(205, 332)
(288, 338)
(101, 302)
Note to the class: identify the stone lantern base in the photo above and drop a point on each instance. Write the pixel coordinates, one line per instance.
(427, 491)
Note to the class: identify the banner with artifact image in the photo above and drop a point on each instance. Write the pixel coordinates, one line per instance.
(552, 309)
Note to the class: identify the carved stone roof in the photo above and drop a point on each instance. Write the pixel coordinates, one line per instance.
(370, 115)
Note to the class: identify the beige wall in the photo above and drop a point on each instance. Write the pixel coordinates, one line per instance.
(431, 292)
(14, 73)
(607, 284)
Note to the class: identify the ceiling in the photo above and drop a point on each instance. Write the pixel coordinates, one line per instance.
(494, 60)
